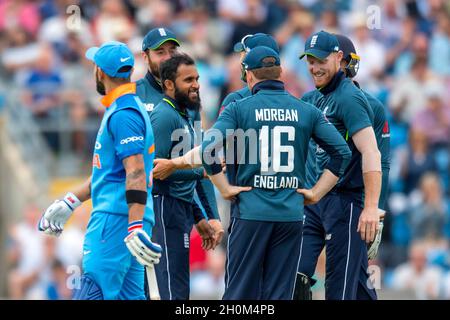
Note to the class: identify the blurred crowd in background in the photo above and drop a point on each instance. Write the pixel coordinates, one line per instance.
(405, 62)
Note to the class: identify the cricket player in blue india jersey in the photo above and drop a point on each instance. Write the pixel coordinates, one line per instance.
(120, 187)
(347, 218)
(274, 129)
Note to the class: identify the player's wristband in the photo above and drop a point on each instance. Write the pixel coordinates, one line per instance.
(137, 224)
(72, 201)
(136, 196)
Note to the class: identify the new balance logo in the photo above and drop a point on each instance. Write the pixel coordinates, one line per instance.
(131, 139)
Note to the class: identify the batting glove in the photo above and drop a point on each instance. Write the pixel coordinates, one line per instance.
(55, 217)
(372, 250)
(146, 252)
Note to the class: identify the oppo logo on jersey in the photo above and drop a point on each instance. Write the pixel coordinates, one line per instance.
(131, 139)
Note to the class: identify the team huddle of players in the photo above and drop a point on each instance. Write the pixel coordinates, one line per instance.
(318, 178)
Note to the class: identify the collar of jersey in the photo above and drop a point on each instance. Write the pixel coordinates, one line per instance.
(121, 90)
(268, 85)
(333, 84)
(171, 102)
(153, 82)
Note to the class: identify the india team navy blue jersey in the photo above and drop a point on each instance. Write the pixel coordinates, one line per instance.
(125, 130)
(278, 127)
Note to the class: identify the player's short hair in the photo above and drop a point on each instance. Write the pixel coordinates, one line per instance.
(271, 72)
(169, 68)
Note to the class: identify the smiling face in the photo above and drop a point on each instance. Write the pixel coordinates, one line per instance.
(324, 70)
(187, 87)
(154, 58)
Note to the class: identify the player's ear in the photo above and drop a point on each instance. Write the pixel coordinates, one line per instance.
(249, 76)
(340, 56)
(169, 85)
(99, 73)
(145, 57)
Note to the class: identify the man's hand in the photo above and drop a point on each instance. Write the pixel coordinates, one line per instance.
(142, 248)
(206, 232)
(55, 217)
(224, 165)
(231, 192)
(218, 231)
(368, 223)
(309, 196)
(372, 250)
(162, 168)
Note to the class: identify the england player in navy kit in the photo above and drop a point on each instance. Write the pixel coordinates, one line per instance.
(346, 218)
(264, 241)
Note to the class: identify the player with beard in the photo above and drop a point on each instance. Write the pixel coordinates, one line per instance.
(159, 45)
(174, 197)
(120, 187)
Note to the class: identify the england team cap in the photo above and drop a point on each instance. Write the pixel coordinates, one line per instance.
(320, 45)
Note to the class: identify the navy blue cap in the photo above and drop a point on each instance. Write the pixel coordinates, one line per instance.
(254, 58)
(347, 47)
(320, 45)
(251, 41)
(156, 37)
(111, 57)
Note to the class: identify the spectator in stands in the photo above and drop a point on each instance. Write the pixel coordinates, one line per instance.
(26, 257)
(430, 219)
(291, 37)
(209, 283)
(21, 52)
(253, 22)
(415, 275)
(111, 19)
(21, 13)
(408, 94)
(416, 160)
(372, 53)
(440, 45)
(43, 94)
(434, 120)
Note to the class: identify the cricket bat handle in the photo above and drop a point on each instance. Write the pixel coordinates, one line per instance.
(153, 291)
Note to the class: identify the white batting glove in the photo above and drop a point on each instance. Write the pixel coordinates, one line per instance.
(55, 217)
(372, 250)
(146, 252)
